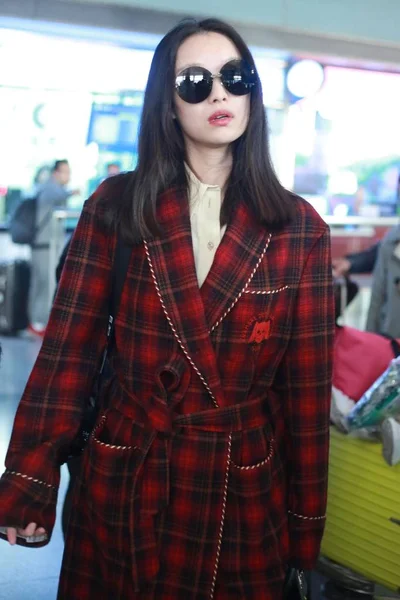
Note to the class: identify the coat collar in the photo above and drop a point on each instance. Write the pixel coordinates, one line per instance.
(192, 312)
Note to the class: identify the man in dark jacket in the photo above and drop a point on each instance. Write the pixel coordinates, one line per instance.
(359, 262)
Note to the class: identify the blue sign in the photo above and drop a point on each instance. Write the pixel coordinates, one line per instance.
(114, 127)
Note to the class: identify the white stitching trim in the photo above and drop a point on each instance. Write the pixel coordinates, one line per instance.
(173, 328)
(258, 465)
(246, 285)
(30, 479)
(307, 518)
(113, 447)
(221, 528)
(267, 292)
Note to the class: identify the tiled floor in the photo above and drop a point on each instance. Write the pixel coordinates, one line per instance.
(32, 574)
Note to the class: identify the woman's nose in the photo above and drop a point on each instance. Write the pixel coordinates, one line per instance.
(218, 92)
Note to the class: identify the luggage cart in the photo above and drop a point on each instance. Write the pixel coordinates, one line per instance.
(360, 551)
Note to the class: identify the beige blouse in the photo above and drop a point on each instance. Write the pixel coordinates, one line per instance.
(207, 233)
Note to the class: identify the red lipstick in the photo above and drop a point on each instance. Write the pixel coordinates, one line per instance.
(220, 118)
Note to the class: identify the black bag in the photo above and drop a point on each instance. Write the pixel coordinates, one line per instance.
(15, 278)
(22, 226)
(344, 290)
(91, 410)
(295, 586)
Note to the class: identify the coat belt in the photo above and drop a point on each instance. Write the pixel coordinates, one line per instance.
(160, 417)
(158, 433)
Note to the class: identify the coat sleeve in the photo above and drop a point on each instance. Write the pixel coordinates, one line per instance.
(304, 382)
(49, 413)
(378, 291)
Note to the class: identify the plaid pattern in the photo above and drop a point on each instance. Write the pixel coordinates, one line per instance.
(216, 436)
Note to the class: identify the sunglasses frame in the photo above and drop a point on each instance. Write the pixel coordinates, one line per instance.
(220, 76)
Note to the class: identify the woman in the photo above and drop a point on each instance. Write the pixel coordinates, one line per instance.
(206, 473)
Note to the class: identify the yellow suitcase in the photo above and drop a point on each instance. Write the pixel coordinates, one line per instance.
(363, 517)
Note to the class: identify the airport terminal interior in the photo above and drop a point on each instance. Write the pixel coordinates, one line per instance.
(73, 77)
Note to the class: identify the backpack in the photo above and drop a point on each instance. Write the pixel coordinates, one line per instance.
(23, 229)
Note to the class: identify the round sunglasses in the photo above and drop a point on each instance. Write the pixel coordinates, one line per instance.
(194, 84)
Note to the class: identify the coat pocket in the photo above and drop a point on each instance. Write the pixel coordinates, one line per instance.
(125, 536)
(110, 474)
(251, 449)
(255, 528)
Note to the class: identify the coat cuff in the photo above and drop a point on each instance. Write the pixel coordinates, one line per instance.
(25, 500)
(305, 535)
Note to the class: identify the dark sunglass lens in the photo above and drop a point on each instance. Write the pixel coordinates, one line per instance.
(194, 84)
(238, 77)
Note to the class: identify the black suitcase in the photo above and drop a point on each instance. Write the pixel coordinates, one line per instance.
(15, 278)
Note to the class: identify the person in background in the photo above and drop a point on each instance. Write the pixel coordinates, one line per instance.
(113, 168)
(357, 263)
(384, 318)
(42, 176)
(206, 474)
(384, 310)
(383, 259)
(52, 194)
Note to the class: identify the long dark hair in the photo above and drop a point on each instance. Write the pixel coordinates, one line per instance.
(162, 149)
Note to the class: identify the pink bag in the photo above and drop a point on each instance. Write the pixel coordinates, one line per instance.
(360, 357)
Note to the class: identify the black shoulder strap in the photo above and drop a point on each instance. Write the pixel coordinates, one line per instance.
(120, 267)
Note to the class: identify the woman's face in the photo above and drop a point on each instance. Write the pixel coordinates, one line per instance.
(211, 51)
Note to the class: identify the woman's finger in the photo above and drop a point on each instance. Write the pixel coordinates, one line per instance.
(12, 535)
(29, 530)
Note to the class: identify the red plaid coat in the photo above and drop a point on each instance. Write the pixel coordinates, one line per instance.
(207, 472)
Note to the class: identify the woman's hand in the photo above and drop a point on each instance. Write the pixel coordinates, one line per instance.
(31, 530)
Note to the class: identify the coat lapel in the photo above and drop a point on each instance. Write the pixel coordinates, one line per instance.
(172, 267)
(192, 312)
(237, 259)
